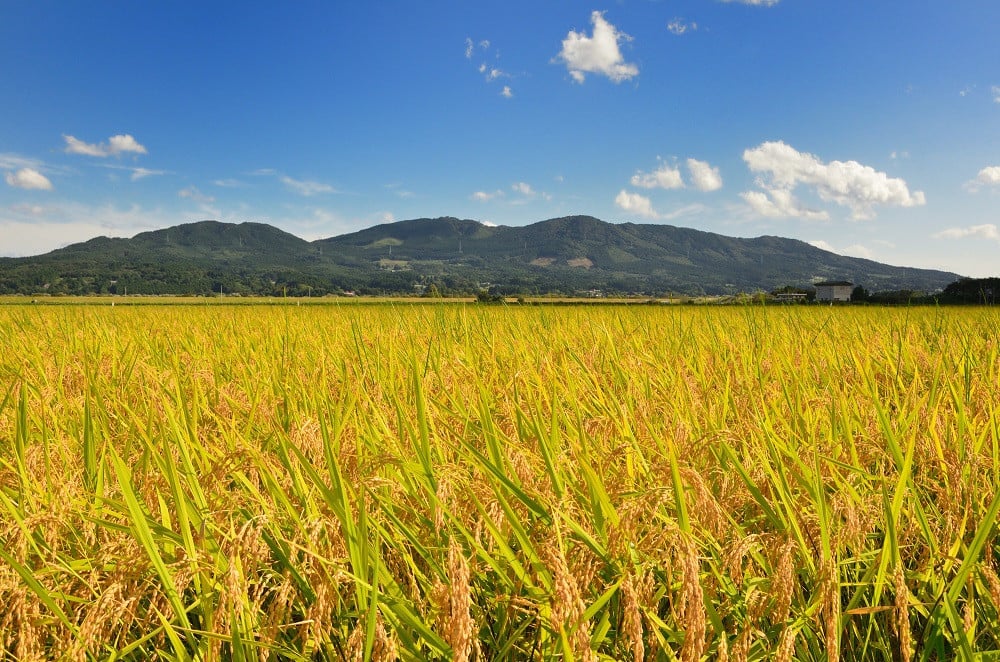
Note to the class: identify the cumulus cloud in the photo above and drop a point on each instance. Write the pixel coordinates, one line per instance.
(703, 176)
(666, 176)
(679, 26)
(28, 178)
(988, 176)
(634, 203)
(115, 146)
(597, 54)
(847, 183)
(780, 203)
(506, 92)
(305, 187)
(985, 231)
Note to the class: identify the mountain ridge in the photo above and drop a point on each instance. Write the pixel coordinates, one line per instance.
(560, 255)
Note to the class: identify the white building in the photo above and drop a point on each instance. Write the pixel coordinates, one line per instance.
(834, 290)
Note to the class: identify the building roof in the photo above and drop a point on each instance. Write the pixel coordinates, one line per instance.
(832, 283)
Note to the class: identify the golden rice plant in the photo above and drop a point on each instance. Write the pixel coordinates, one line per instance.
(413, 482)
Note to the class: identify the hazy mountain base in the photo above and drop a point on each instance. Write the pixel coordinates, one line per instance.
(571, 255)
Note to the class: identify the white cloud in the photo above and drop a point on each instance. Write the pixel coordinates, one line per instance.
(854, 250)
(523, 189)
(598, 54)
(634, 203)
(9, 161)
(31, 230)
(506, 92)
(985, 231)
(857, 250)
(996, 93)
(469, 48)
(847, 183)
(124, 143)
(484, 196)
(704, 176)
(28, 178)
(74, 146)
(679, 26)
(192, 193)
(988, 176)
(229, 183)
(780, 203)
(822, 245)
(116, 145)
(666, 176)
(756, 3)
(142, 173)
(305, 187)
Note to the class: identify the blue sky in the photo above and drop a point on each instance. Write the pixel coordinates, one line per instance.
(868, 128)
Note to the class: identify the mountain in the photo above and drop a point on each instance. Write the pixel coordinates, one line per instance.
(565, 255)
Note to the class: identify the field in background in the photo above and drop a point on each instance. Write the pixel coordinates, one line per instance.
(482, 482)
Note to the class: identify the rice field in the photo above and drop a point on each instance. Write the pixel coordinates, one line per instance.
(463, 482)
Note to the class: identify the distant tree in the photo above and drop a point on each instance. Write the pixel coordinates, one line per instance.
(859, 293)
(972, 290)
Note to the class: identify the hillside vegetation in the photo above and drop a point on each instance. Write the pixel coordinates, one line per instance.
(564, 255)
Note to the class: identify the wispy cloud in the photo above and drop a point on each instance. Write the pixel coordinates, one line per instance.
(995, 91)
(486, 196)
(782, 169)
(115, 146)
(28, 178)
(142, 173)
(679, 26)
(192, 193)
(854, 250)
(10, 161)
(229, 183)
(756, 3)
(599, 53)
(33, 229)
(305, 187)
(984, 231)
(523, 188)
(399, 191)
